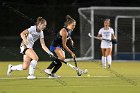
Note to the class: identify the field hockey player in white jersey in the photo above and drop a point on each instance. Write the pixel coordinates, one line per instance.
(106, 47)
(30, 58)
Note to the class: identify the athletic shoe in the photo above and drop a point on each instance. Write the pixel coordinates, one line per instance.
(104, 67)
(31, 77)
(109, 66)
(9, 70)
(48, 71)
(54, 76)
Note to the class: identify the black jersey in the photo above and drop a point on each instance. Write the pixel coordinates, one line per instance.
(58, 40)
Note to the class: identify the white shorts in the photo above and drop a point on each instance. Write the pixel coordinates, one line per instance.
(105, 44)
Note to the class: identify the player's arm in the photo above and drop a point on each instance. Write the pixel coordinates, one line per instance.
(44, 47)
(23, 35)
(114, 39)
(112, 33)
(99, 36)
(64, 41)
(113, 36)
(72, 42)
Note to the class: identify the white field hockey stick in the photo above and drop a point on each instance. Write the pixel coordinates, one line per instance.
(80, 71)
(99, 38)
(85, 71)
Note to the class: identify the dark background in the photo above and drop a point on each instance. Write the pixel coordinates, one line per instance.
(17, 15)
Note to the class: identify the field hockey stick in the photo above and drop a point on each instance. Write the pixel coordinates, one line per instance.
(76, 66)
(80, 71)
(75, 62)
(114, 41)
(99, 38)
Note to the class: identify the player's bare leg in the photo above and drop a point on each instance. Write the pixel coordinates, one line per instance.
(30, 52)
(103, 57)
(109, 57)
(24, 66)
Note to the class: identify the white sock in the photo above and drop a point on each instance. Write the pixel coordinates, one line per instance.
(104, 62)
(109, 59)
(32, 67)
(17, 67)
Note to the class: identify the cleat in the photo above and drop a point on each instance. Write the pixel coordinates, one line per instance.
(9, 71)
(109, 66)
(54, 76)
(51, 77)
(48, 71)
(31, 77)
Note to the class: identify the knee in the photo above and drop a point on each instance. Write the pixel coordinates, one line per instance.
(36, 58)
(62, 58)
(108, 55)
(104, 55)
(58, 63)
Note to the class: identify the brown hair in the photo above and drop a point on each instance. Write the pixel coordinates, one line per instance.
(69, 20)
(40, 20)
(107, 19)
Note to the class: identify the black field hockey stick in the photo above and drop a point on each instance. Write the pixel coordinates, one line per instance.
(76, 66)
(74, 59)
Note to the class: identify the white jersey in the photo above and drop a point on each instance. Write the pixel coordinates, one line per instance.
(33, 36)
(106, 34)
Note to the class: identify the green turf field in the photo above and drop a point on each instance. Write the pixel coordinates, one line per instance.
(123, 77)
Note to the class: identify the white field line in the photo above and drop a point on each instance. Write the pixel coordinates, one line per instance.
(10, 78)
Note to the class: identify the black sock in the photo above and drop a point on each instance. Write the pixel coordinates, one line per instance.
(52, 65)
(57, 66)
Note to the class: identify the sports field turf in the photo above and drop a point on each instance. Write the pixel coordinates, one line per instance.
(123, 77)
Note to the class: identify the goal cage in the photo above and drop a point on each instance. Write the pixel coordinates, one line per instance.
(126, 24)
